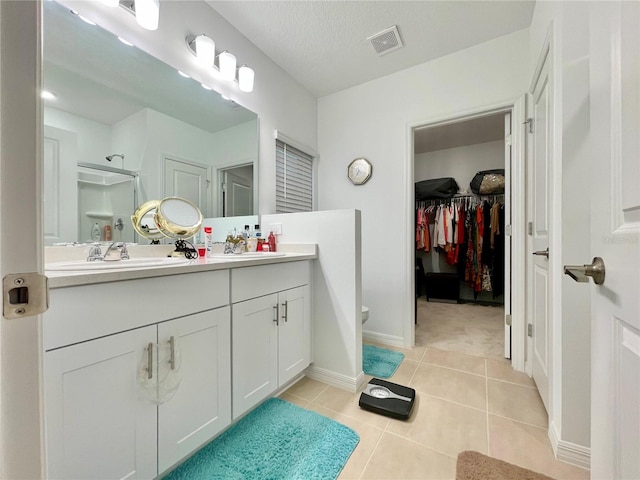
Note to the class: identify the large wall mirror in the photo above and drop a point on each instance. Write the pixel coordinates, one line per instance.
(119, 111)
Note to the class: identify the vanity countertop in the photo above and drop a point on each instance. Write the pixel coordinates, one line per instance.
(292, 253)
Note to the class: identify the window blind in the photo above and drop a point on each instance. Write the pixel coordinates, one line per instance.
(294, 179)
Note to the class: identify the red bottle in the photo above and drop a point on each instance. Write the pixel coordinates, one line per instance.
(272, 242)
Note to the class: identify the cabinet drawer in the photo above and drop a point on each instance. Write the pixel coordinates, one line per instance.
(252, 282)
(80, 313)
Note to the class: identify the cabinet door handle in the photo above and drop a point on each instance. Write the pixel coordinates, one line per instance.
(286, 310)
(150, 360)
(275, 313)
(172, 357)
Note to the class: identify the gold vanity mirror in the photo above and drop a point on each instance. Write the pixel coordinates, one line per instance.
(172, 217)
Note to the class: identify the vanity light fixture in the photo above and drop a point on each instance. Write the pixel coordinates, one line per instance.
(183, 74)
(227, 63)
(204, 49)
(206, 87)
(246, 76)
(147, 13)
(110, 3)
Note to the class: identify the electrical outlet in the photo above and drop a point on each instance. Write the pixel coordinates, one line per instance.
(276, 228)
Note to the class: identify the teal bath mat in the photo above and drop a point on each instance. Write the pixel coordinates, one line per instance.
(278, 440)
(380, 362)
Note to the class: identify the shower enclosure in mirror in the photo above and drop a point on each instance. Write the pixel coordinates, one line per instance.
(106, 197)
(115, 106)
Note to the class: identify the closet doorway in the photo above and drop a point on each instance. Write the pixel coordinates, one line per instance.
(462, 250)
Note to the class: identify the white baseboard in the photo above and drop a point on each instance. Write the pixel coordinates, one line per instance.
(569, 452)
(390, 340)
(334, 379)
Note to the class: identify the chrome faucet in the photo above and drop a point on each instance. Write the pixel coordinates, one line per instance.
(95, 254)
(117, 250)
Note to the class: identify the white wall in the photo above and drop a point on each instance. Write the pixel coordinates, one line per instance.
(570, 415)
(94, 138)
(461, 163)
(279, 101)
(373, 120)
(337, 300)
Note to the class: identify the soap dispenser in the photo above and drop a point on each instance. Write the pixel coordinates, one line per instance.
(95, 232)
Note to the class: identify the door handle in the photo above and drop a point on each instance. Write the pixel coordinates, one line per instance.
(543, 253)
(581, 273)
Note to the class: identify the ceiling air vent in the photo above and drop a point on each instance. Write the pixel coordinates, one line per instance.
(386, 41)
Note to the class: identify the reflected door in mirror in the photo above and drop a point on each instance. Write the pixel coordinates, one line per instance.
(187, 180)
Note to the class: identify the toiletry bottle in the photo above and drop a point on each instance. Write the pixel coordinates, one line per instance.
(272, 242)
(95, 232)
(208, 240)
(107, 233)
(246, 233)
(259, 237)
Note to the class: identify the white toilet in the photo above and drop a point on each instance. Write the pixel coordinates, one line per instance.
(365, 314)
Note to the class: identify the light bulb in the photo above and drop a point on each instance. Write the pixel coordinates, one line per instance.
(47, 95)
(245, 78)
(183, 74)
(205, 50)
(148, 13)
(227, 63)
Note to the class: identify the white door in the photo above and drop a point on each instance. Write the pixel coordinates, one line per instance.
(615, 236)
(538, 174)
(294, 333)
(21, 237)
(238, 195)
(97, 425)
(60, 186)
(201, 406)
(187, 180)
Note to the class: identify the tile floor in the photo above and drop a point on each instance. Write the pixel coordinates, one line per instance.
(464, 402)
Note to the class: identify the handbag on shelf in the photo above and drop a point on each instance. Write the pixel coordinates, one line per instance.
(445, 187)
(488, 182)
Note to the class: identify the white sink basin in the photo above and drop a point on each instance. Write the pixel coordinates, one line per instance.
(113, 265)
(246, 255)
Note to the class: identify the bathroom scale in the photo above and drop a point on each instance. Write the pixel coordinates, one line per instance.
(386, 398)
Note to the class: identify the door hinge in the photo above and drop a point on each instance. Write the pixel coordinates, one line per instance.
(507, 230)
(530, 330)
(507, 139)
(224, 187)
(530, 122)
(530, 228)
(25, 295)
(507, 320)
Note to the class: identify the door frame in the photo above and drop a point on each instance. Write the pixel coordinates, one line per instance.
(21, 236)
(218, 174)
(518, 326)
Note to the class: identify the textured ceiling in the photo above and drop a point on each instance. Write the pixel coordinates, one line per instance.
(323, 44)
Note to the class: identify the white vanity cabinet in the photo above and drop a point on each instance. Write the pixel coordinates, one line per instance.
(201, 406)
(96, 425)
(99, 423)
(271, 330)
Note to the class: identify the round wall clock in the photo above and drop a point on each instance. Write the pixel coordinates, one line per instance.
(359, 171)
